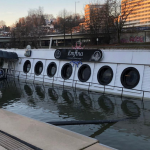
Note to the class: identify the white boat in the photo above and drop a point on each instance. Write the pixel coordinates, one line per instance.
(124, 72)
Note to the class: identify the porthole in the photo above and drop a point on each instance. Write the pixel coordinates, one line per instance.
(84, 73)
(51, 69)
(105, 75)
(66, 71)
(130, 77)
(27, 66)
(38, 68)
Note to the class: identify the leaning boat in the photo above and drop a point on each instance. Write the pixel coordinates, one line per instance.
(115, 71)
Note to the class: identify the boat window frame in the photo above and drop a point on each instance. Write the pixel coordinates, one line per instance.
(25, 65)
(98, 75)
(38, 62)
(52, 63)
(62, 75)
(79, 73)
(123, 81)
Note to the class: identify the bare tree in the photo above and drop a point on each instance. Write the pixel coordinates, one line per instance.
(30, 28)
(108, 18)
(121, 11)
(98, 21)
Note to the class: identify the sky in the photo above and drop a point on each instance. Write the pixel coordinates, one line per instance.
(12, 10)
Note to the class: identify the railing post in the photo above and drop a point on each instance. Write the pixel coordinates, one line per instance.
(75, 85)
(143, 96)
(89, 87)
(122, 92)
(104, 89)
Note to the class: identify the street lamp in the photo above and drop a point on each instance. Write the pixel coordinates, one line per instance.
(75, 8)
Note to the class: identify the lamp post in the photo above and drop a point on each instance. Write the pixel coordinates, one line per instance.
(75, 8)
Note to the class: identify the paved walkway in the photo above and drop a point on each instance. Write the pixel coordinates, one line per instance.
(41, 135)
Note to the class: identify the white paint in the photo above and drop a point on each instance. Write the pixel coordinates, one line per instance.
(118, 60)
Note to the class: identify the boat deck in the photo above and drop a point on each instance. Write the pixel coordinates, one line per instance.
(22, 133)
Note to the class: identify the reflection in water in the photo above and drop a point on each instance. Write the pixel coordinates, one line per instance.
(28, 90)
(59, 104)
(130, 108)
(40, 92)
(106, 104)
(10, 93)
(67, 96)
(85, 100)
(53, 94)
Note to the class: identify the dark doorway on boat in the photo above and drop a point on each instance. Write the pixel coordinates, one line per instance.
(130, 77)
(66, 71)
(27, 66)
(51, 69)
(1, 62)
(84, 73)
(105, 75)
(38, 68)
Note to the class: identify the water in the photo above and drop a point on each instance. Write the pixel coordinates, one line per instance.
(53, 103)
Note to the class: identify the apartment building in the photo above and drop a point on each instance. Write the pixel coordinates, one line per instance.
(95, 15)
(136, 13)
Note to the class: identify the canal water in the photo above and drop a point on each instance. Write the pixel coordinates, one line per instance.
(54, 103)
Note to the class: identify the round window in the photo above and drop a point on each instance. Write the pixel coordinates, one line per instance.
(66, 71)
(105, 75)
(27, 66)
(38, 68)
(84, 73)
(51, 69)
(130, 77)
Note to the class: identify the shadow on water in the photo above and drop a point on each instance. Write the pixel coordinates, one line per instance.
(55, 104)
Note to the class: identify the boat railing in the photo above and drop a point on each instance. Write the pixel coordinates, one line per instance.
(76, 82)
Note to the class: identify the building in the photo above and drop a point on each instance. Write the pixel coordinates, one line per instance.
(135, 13)
(95, 16)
